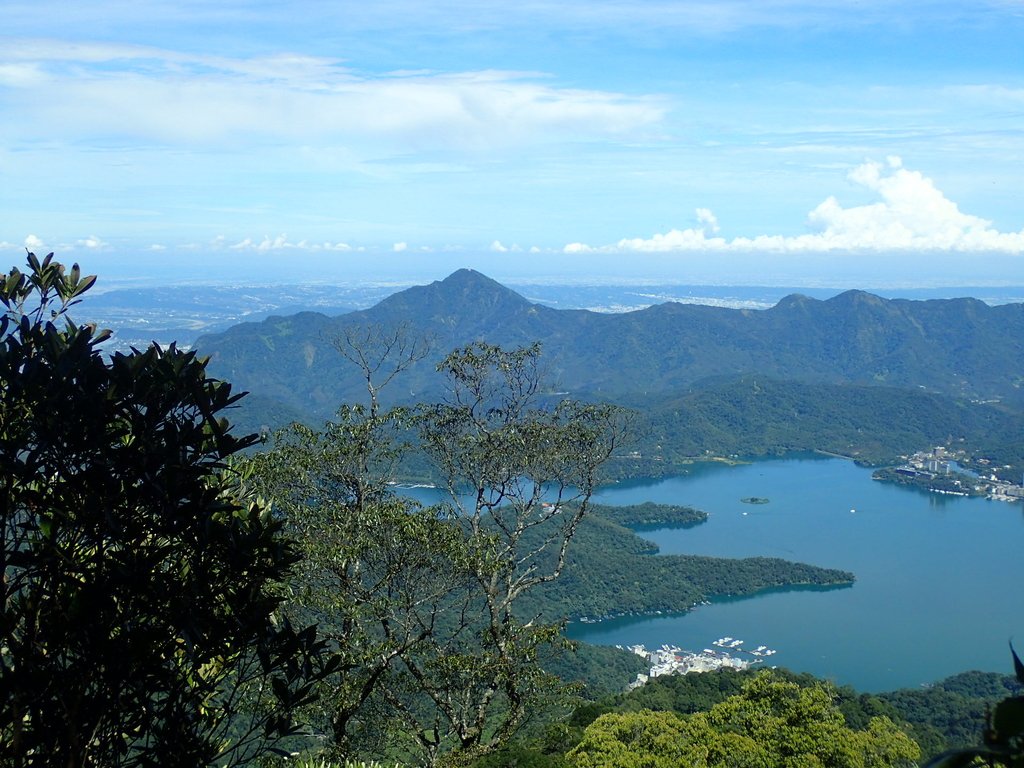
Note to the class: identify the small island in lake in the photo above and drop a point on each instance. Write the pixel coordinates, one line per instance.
(754, 500)
(651, 516)
(611, 572)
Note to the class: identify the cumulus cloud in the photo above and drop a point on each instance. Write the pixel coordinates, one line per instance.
(33, 243)
(92, 242)
(499, 247)
(707, 220)
(281, 243)
(399, 247)
(912, 214)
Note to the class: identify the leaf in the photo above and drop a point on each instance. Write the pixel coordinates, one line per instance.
(1018, 667)
(84, 285)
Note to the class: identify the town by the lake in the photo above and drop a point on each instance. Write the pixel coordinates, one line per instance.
(948, 471)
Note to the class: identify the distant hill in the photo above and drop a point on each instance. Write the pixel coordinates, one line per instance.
(756, 415)
(675, 358)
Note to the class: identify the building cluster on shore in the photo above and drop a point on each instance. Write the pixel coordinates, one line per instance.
(672, 660)
(941, 462)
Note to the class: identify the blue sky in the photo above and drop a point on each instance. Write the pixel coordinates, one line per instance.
(771, 142)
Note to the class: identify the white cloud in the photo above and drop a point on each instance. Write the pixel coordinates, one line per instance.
(33, 243)
(280, 243)
(578, 248)
(150, 94)
(911, 215)
(399, 247)
(497, 247)
(707, 220)
(92, 242)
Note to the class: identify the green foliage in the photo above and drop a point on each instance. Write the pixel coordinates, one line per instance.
(379, 574)
(682, 694)
(650, 516)
(1003, 736)
(951, 713)
(756, 415)
(953, 482)
(685, 695)
(139, 575)
(770, 722)
(610, 571)
(947, 715)
(594, 671)
(863, 367)
(418, 604)
(634, 740)
(1002, 456)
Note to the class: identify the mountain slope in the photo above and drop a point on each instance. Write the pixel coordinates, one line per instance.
(960, 348)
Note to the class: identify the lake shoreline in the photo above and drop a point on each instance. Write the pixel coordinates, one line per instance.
(908, 619)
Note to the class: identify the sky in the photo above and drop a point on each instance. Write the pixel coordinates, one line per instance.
(753, 142)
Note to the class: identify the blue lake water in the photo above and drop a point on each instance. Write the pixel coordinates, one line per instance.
(940, 579)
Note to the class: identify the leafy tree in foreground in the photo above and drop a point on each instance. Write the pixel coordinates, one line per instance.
(419, 603)
(138, 594)
(519, 477)
(378, 574)
(771, 723)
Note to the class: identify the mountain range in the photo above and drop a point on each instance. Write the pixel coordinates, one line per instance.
(958, 361)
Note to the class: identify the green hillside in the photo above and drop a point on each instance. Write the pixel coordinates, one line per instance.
(960, 348)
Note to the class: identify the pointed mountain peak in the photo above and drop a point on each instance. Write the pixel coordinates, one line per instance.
(469, 284)
(465, 289)
(466, 276)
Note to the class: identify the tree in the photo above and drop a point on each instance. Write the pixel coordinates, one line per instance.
(1003, 736)
(771, 722)
(419, 603)
(644, 739)
(378, 571)
(519, 474)
(140, 576)
(380, 353)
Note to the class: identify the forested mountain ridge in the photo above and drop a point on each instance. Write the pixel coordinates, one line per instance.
(762, 416)
(959, 348)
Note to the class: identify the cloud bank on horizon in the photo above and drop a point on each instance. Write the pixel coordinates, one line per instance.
(912, 215)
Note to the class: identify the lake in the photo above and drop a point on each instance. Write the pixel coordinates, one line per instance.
(940, 579)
